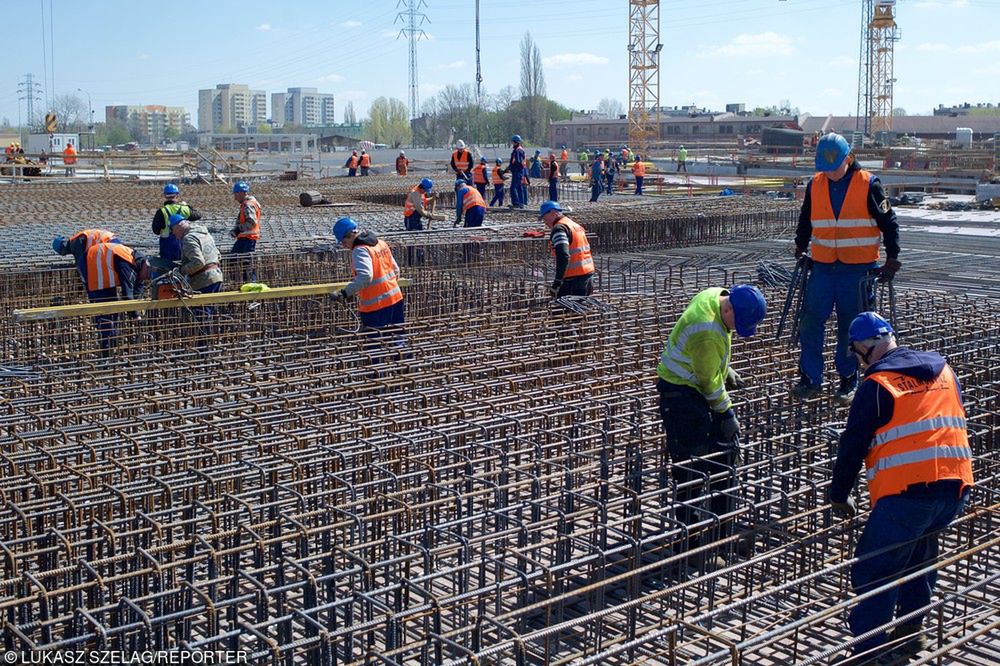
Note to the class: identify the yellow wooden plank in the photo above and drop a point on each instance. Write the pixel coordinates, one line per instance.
(112, 307)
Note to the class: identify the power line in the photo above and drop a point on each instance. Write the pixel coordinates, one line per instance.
(411, 27)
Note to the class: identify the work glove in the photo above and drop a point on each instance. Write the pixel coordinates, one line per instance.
(846, 509)
(456, 223)
(729, 428)
(733, 380)
(888, 270)
(799, 252)
(554, 289)
(233, 233)
(338, 296)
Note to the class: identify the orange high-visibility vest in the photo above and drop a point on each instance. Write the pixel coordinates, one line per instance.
(926, 439)
(639, 170)
(253, 206)
(352, 162)
(366, 160)
(101, 264)
(580, 260)
(497, 176)
(383, 290)
(852, 238)
(93, 236)
(563, 156)
(408, 208)
(471, 198)
(479, 174)
(462, 159)
(69, 154)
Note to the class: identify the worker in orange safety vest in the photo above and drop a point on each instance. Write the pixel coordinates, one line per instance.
(569, 245)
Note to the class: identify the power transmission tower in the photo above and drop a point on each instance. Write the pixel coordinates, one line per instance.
(412, 19)
(863, 111)
(882, 37)
(30, 91)
(644, 73)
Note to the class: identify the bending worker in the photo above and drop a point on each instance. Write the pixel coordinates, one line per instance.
(908, 426)
(415, 207)
(574, 263)
(843, 214)
(170, 247)
(461, 161)
(110, 267)
(376, 276)
(469, 202)
(79, 243)
(199, 255)
(694, 375)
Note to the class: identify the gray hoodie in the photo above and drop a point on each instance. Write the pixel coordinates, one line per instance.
(197, 251)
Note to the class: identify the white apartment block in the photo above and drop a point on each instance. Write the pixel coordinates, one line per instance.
(231, 106)
(302, 106)
(151, 120)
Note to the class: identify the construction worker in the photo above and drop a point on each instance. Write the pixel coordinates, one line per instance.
(639, 172)
(479, 176)
(376, 277)
(908, 426)
(461, 161)
(610, 169)
(69, 159)
(415, 207)
(247, 229)
(694, 374)
(682, 156)
(170, 247)
(843, 214)
(564, 160)
(199, 255)
(583, 159)
(518, 193)
(624, 155)
(497, 199)
(535, 168)
(402, 163)
(596, 177)
(553, 177)
(79, 243)
(365, 162)
(110, 266)
(352, 164)
(569, 245)
(468, 202)
(9, 151)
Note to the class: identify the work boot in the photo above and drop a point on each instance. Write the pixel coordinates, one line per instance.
(845, 392)
(804, 390)
(911, 640)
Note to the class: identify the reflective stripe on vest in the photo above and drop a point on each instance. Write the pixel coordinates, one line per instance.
(461, 159)
(254, 232)
(925, 440)
(854, 237)
(408, 207)
(101, 264)
(170, 209)
(383, 290)
(93, 236)
(471, 198)
(581, 262)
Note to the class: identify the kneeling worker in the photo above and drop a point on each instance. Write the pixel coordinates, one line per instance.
(376, 276)
(470, 202)
(574, 263)
(694, 373)
(199, 255)
(415, 207)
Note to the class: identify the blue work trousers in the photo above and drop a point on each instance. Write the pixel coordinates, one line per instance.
(553, 190)
(830, 286)
(246, 246)
(912, 522)
(170, 248)
(518, 197)
(474, 216)
(481, 187)
(497, 199)
(390, 316)
(352, 173)
(638, 184)
(610, 177)
(596, 187)
(106, 325)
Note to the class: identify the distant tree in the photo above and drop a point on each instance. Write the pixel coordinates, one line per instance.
(612, 108)
(111, 133)
(899, 111)
(349, 117)
(532, 86)
(171, 133)
(389, 121)
(71, 112)
(264, 128)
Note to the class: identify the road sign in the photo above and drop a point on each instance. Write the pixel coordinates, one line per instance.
(50, 122)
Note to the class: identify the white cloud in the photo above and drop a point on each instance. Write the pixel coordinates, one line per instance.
(749, 45)
(264, 27)
(330, 78)
(985, 47)
(458, 64)
(351, 24)
(932, 46)
(573, 60)
(143, 56)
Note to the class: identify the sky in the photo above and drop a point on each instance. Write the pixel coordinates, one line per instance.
(757, 52)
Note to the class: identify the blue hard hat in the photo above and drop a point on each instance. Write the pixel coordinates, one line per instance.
(516, 138)
(460, 181)
(240, 186)
(483, 160)
(548, 207)
(499, 161)
(749, 308)
(831, 151)
(169, 189)
(597, 153)
(564, 146)
(342, 227)
(57, 244)
(538, 152)
(868, 325)
(426, 184)
(174, 219)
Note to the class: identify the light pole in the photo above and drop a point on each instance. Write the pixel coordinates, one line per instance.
(90, 106)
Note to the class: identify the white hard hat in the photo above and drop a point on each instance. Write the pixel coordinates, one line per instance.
(460, 145)
(402, 152)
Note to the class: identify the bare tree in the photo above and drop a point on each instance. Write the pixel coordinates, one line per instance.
(71, 111)
(349, 117)
(532, 86)
(612, 108)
